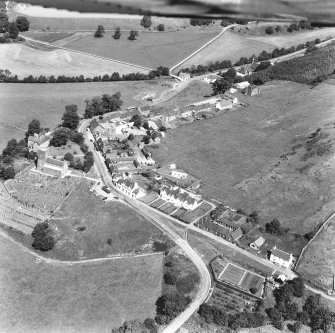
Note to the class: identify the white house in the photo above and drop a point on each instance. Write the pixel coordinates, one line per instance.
(184, 76)
(178, 174)
(242, 85)
(223, 104)
(130, 188)
(210, 79)
(178, 197)
(38, 141)
(257, 243)
(281, 258)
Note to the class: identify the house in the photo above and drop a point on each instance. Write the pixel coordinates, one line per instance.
(231, 225)
(223, 104)
(37, 141)
(156, 137)
(242, 85)
(178, 197)
(210, 78)
(257, 243)
(236, 234)
(145, 110)
(130, 188)
(252, 90)
(216, 229)
(152, 125)
(178, 174)
(281, 258)
(184, 76)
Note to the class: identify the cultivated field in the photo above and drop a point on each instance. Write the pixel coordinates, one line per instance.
(149, 50)
(23, 61)
(90, 228)
(233, 46)
(240, 155)
(42, 297)
(46, 102)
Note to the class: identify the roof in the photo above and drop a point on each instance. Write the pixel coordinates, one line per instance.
(225, 221)
(55, 162)
(259, 241)
(281, 254)
(216, 228)
(224, 103)
(39, 140)
(94, 124)
(237, 234)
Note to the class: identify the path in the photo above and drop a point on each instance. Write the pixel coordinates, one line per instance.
(87, 54)
(13, 126)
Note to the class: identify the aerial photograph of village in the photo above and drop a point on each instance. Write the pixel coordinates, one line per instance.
(167, 166)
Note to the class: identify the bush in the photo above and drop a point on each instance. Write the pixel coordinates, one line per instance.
(68, 157)
(161, 27)
(43, 237)
(269, 30)
(160, 246)
(162, 128)
(84, 148)
(9, 173)
(186, 284)
(22, 23)
(253, 290)
(170, 278)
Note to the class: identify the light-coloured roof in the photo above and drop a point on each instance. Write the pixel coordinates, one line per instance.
(281, 254)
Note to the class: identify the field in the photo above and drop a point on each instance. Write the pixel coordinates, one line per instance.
(86, 223)
(23, 61)
(233, 46)
(317, 263)
(232, 274)
(149, 50)
(46, 102)
(42, 297)
(245, 157)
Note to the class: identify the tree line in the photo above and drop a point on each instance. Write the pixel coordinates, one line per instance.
(262, 56)
(6, 76)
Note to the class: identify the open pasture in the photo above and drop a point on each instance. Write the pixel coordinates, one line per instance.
(20, 103)
(232, 46)
(23, 61)
(237, 154)
(151, 49)
(94, 297)
(91, 228)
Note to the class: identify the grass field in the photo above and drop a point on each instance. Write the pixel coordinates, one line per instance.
(128, 231)
(238, 155)
(22, 61)
(20, 103)
(233, 46)
(149, 50)
(232, 274)
(40, 297)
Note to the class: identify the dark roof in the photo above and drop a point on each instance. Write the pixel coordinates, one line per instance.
(216, 228)
(94, 124)
(281, 254)
(54, 162)
(225, 221)
(238, 233)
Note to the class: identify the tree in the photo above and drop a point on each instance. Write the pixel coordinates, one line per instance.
(13, 30)
(117, 34)
(88, 162)
(230, 74)
(162, 128)
(161, 27)
(131, 137)
(146, 21)
(170, 278)
(101, 105)
(9, 173)
(253, 290)
(33, 127)
(133, 34)
(269, 30)
(298, 286)
(77, 137)
(60, 137)
(150, 324)
(4, 23)
(68, 157)
(137, 120)
(43, 237)
(146, 139)
(263, 65)
(22, 23)
(273, 227)
(220, 86)
(99, 32)
(70, 117)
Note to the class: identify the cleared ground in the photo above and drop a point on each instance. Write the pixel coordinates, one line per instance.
(238, 154)
(23, 61)
(39, 297)
(20, 103)
(91, 228)
(233, 46)
(149, 50)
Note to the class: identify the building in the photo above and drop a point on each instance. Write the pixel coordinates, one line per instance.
(242, 85)
(184, 76)
(130, 188)
(178, 197)
(236, 234)
(51, 166)
(145, 110)
(257, 243)
(210, 78)
(178, 174)
(38, 141)
(281, 258)
(252, 90)
(223, 104)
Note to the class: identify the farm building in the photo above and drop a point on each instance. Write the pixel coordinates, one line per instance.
(178, 197)
(242, 85)
(210, 78)
(280, 257)
(37, 141)
(179, 174)
(184, 76)
(223, 104)
(257, 243)
(252, 90)
(130, 188)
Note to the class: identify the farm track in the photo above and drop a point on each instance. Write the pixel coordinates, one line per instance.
(87, 54)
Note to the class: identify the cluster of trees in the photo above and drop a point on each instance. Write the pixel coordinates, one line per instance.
(43, 237)
(220, 86)
(77, 164)
(296, 26)
(263, 56)
(310, 69)
(11, 30)
(133, 326)
(100, 32)
(274, 227)
(313, 312)
(6, 76)
(98, 106)
(146, 22)
(218, 316)
(200, 21)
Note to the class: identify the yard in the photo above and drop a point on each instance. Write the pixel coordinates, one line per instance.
(43, 297)
(232, 46)
(232, 274)
(240, 155)
(149, 50)
(46, 102)
(92, 228)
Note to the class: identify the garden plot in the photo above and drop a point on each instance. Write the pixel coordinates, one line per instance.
(232, 274)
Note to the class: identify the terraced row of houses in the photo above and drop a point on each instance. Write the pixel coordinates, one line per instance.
(179, 197)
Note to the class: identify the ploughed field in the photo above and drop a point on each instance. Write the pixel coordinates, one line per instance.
(94, 297)
(239, 155)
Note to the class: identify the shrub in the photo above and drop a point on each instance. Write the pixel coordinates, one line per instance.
(161, 27)
(22, 23)
(84, 148)
(68, 157)
(253, 290)
(186, 284)
(269, 30)
(170, 278)
(43, 237)
(162, 128)
(160, 246)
